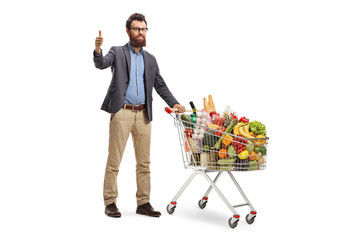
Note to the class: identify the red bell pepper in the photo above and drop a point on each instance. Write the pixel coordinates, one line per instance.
(244, 119)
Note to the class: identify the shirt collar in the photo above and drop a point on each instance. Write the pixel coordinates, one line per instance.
(133, 50)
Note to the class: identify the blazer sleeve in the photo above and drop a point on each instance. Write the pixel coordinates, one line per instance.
(106, 61)
(162, 89)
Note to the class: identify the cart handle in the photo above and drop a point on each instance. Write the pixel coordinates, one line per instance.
(171, 110)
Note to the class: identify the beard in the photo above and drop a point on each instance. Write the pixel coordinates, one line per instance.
(137, 41)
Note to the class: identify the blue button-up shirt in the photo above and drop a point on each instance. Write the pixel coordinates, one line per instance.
(135, 94)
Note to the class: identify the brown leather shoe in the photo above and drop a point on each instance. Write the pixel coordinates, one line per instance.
(147, 209)
(112, 211)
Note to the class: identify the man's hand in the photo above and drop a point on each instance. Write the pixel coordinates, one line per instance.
(98, 42)
(180, 108)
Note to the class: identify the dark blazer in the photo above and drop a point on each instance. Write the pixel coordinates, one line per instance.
(119, 59)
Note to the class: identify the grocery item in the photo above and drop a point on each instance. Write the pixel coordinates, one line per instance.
(220, 131)
(237, 127)
(260, 142)
(252, 156)
(258, 128)
(193, 117)
(204, 159)
(213, 126)
(207, 106)
(244, 120)
(210, 138)
(246, 129)
(242, 164)
(243, 133)
(263, 150)
(194, 145)
(261, 162)
(213, 159)
(193, 107)
(211, 104)
(231, 151)
(218, 120)
(188, 132)
(253, 165)
(244, 154)
(187, 146)
(185, 117)
(206, 148)
(228, 130)
(227, 140)
(238, 144)
(228, 119)
(195, 159)
(222, 153)
(226, 164)
(249, 146)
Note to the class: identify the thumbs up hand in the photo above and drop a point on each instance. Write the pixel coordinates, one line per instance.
(98, 42)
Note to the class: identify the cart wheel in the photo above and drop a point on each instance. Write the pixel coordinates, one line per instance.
(233, 224)
(250, 221)
(170, 208)
(202, 204)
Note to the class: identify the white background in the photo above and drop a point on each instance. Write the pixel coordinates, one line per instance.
(292, 65)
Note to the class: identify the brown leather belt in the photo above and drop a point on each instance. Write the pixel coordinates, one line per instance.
(134, 107)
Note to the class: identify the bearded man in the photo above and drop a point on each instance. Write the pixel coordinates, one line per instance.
(135, 73)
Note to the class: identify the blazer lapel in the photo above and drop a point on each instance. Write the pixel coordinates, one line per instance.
(146, 66)
(128, 58)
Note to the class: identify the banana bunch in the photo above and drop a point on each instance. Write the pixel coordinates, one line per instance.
(236, 129)
(242, 129)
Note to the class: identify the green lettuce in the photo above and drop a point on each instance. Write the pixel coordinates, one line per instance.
(258, 128)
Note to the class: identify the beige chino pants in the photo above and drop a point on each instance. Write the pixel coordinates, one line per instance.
(122, 124)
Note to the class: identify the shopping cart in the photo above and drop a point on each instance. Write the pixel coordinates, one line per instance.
(206, 150)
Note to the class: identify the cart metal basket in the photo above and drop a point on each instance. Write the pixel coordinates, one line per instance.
(206, 149)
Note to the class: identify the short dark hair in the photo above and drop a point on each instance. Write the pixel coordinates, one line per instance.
(136, 16)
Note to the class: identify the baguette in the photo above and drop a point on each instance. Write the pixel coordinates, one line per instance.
(207, 106)
(211, 104)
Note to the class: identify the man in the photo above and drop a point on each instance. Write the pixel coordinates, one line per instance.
(129, 100)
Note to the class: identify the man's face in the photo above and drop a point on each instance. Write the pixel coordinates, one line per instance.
(137, 38)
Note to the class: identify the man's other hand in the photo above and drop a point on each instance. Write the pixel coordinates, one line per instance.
(98, 42)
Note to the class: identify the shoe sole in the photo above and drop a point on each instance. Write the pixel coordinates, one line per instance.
(114, 216)
(143, 213)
